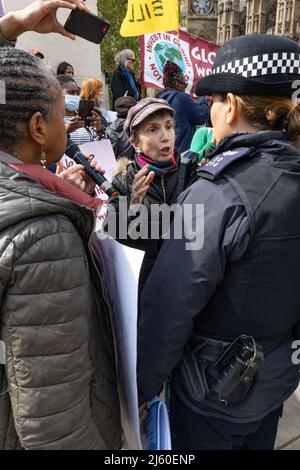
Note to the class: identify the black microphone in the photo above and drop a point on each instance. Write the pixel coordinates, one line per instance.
(73, 151)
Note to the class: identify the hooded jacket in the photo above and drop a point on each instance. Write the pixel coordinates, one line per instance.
(58, 388)
(188, 115)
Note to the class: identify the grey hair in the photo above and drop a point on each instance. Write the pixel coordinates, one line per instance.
(123, 55)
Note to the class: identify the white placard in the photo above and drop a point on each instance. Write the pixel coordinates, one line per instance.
(105, 157)
(120, 267)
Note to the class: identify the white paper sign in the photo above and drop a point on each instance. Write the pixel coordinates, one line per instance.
(120, 267)
(104, 155)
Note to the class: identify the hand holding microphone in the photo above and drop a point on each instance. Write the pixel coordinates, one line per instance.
(75, 154)
(76, 176)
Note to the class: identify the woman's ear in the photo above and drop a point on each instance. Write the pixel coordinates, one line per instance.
(38, 129)
(232, 110)
(135, 144)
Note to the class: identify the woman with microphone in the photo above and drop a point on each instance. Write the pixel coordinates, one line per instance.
(59, 378)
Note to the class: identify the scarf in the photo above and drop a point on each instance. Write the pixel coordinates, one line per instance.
(130, 79)
(160, 168)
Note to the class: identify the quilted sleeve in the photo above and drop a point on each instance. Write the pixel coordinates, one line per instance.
(44, 323)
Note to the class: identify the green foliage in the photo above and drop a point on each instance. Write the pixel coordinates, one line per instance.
(114, 11)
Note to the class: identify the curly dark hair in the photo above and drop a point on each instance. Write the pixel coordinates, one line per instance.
(171, 74)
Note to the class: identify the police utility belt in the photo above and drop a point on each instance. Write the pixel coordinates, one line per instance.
(234, 364)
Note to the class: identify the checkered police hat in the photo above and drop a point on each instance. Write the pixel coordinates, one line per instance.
(257, 64)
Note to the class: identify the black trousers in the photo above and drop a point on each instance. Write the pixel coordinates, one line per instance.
(191, 431)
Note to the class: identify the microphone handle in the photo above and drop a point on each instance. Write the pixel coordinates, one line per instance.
(97, 177)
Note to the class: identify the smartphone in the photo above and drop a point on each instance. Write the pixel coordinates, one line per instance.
(87, 26)
(85, 110)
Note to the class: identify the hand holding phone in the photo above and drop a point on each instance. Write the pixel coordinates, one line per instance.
(85, 110)
(95, 121)
(74, 124)
(87, 26)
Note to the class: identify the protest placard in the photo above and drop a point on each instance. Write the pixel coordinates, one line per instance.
(195, 56)
(103, 153)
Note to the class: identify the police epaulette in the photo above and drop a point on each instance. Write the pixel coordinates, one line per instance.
(216, 166)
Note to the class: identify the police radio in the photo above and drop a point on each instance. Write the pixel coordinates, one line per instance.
(237, 365)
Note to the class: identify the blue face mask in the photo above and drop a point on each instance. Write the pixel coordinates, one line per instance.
(72, 102)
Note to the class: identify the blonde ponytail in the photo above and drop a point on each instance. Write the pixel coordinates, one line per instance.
(269, 112)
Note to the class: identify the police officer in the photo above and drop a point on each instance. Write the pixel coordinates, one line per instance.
(222, 303)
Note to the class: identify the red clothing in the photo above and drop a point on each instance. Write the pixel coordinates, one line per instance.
(55, 184)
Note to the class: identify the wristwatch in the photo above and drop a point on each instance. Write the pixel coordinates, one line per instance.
(5, 42)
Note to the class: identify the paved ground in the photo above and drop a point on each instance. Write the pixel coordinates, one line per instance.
(288, 437)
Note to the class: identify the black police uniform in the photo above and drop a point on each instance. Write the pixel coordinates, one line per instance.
(243, 281)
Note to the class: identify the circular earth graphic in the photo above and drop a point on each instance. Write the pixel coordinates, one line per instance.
(163, 52)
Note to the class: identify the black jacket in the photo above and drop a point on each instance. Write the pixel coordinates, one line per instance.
(120, 85)
(163, 190)
(243, 277)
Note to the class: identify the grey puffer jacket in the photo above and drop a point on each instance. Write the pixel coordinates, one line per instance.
(59, 376)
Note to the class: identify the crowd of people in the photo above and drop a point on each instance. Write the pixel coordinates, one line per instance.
(218, 307)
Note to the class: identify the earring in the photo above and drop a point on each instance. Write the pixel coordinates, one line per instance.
(43, 159)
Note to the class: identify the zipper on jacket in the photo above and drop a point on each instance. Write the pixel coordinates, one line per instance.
(100, 277)
(162, 180)
(95, 264)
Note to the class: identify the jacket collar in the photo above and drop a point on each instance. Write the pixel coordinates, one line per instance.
(7, 158)
(54, 184)
(30, 194)
(255, 139)
(273, 145)
(50, 181)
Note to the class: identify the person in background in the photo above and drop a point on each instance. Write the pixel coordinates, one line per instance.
(68, 85)
(58, 386)
(116, 133)
(203, 143)
(188, 113)
(123, 82)
(220, 315)
(71, 92)
(92, 89)
(65, 69)
(76, 129)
